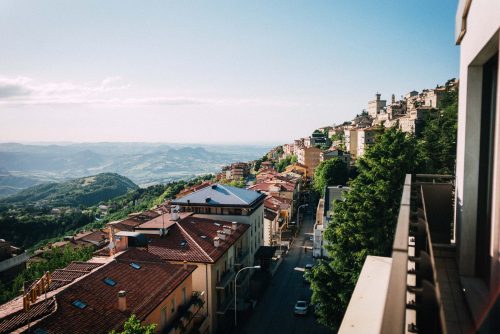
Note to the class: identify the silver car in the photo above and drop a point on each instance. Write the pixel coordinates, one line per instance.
(300, 308)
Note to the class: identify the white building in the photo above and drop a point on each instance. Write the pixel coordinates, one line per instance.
(324, 213)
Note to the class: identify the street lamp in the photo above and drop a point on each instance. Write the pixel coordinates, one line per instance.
(235, 292)
(298, 214)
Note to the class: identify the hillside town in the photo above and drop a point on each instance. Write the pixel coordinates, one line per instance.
(210, 253)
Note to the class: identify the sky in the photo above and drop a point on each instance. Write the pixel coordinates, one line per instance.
(242, 72)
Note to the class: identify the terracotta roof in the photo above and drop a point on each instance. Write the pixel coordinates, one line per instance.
(269, 214)
(164, 220)
(277, 203)
(192, 240)
(101, 315)
(11, 313)
(268, 186)
(20, 318)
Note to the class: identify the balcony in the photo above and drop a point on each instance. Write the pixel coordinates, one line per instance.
(225, 279)
(418, 289)
(241, 257)
(225, 304)
(189, 317)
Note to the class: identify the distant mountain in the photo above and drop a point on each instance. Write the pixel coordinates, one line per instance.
(144, 163)
(85, 191)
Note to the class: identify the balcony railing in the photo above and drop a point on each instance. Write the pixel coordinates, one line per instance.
(225, 279)
(188, 315)
(225, 304)
(241, 256)
(413, 302)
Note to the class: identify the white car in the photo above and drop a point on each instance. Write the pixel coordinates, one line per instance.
(300, 308)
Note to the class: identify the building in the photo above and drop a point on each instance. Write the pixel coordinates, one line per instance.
(444, 273)
(324, 214)
(309, 157)
(288, 149)
(366, 138)
(12, 261)
(375, 106)
(218, 249)
(352, 143)
(335, 153)
(228, 203)
(104, 299)
(297, 168)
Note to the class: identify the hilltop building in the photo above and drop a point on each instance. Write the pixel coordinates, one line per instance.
(228, 203)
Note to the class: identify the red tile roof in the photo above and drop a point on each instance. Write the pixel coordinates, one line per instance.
(12, 314)
(101, 314)
(277, 203)
(163, 221)
(20, 318)
(198, 234)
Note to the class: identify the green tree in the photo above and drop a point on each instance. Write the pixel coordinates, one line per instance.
(330, 172)
(134, 326)
(362, 224)
(437, 145)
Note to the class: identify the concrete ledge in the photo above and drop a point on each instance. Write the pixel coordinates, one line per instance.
(366, 308)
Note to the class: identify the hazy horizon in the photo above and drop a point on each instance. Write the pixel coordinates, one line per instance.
(213, 72)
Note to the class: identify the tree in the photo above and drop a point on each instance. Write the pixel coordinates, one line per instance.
(362, 224)
(134, 326)
(287, 161)
(330, 172)
(438, 143)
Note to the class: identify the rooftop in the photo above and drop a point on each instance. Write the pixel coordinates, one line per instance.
(192, 240)
(218, 194)
(99, 312)
(164, 221)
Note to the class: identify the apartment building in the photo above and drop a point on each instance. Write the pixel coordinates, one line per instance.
(309, 157)
(104, 298)
(324, 214)
(366, 138)
(228, 203)
(444, 273)
(218, 249)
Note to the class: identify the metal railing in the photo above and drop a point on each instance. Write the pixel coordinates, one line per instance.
(412, 258)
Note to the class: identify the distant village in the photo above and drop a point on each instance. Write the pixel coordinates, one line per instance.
(189, 250)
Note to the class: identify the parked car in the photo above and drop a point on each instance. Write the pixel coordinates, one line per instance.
(300, 308)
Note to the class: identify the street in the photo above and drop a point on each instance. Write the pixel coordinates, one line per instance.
(274, 311)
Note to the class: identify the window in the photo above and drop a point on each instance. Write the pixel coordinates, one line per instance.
(184, 295)
(109, 281)
(79, 304)
(135, 266)
(163, 315)
(486, 153)
(172, 306)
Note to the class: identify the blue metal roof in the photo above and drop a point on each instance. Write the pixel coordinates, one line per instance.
(219, 194)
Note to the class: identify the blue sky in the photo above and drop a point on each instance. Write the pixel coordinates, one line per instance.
(211, 71)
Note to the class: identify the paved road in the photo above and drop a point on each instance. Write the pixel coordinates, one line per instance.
(274, 312)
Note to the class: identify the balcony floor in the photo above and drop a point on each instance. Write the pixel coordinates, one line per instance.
(457, 315)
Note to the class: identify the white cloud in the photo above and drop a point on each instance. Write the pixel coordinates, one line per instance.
(26, 91)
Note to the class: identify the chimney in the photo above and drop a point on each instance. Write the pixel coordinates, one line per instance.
(221, 235)
(216, 242)
(227, 230)
(174, 215)
(122, 300)
(234, 226)
(185, 265)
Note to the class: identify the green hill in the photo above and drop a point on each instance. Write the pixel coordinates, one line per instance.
(85, 191)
